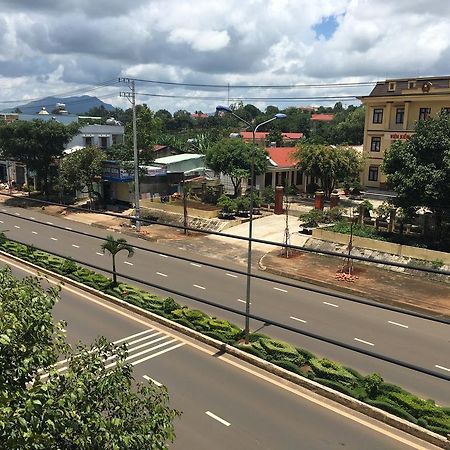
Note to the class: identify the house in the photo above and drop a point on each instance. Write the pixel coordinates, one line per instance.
(261, 136)
(322, 117)
(392, 111)
(102, 136)
(162, 151)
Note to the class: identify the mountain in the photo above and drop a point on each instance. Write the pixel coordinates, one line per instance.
(74, 105)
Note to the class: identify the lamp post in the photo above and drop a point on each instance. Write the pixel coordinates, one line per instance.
(254, 128)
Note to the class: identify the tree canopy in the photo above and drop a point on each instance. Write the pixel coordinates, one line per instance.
(148, 128)
(86, 404)
(331, 164)
(232, 157)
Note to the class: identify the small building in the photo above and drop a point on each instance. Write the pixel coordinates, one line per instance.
(261, 136)
(322, 117)
(102, 136)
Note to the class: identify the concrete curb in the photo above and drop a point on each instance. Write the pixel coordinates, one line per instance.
(310, 385)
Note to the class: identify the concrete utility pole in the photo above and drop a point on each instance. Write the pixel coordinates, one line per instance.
(131, 96)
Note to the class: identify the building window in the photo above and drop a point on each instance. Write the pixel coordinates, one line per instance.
(446, 110)
(411, 84)
(373, 173)
(391, 87)
(378, 115)
(375, 144)
(298, 178)
(103, 142)
(400, 115)
(268, 179)
(88, 141)
(424, 113)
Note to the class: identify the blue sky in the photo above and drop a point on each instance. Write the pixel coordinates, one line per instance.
(326, 27)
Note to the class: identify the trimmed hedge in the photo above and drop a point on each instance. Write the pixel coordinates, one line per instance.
(385, 405)
(324, 368)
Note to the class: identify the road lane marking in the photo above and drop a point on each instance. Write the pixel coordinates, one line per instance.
(219, 419)
(163, 256)
(199, 287)
(17, 226)
(161, 274)
(54, 239)
(398, 324)
(232, 275)
(32, 218)
(68, 228)
(364, 342)
(152, 380)
(133, 336)
(49, 223)
(127, 262)
(4, 210)
(196, 265)
(17, 214)
(154, 355)
(34, 232)
(331, 304)
(99, 254)
(1, 221)
(442, 367)
(148, 336)
(243, 301)
(75, 245)
(296, 318)
(279, 289)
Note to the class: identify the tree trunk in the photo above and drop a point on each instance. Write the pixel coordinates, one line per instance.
(114, 269)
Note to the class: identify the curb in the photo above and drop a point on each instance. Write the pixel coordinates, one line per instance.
(310, 385)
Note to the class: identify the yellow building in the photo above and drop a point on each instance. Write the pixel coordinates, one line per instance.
(392, 111)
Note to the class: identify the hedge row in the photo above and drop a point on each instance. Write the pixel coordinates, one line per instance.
(370, 389)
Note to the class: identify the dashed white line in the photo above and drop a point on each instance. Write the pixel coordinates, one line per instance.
(163, 256)
(196, 265)
(219, 419)
(154, 355)
(54, 239)
(16, 226)
(68, 228)
(161, 274)
(34, 232)
(1, 221)
(242, 301)
(442, 367)
(49, 223)
(32, 218)
(363, 342)
(331, 304)
(127, 262)
(398, 324)
(279, 289)
(4, 210)
(152, 380)
(75, 245)
(199, 287)
(296, 318)
(99, 254)
(17, 214)
(232, 275)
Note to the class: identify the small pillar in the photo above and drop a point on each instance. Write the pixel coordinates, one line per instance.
(391, 225)
(319, 200)
(279, 191)
(334, 200)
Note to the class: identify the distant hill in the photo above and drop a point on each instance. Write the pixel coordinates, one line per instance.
(74, 105)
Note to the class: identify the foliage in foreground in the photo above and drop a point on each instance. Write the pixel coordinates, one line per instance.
(85, 406)
(371, 388)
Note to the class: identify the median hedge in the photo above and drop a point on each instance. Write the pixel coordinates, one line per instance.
(370, 389)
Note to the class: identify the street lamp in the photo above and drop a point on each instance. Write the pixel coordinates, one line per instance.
(226, 109)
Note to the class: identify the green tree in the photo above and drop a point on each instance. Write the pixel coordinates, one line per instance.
(37, 144)
(275, 136)
(82, 169)
(232, 157)
(329, 163)
(148, 129)
(418, 169)
(114, 246)
(90, 404)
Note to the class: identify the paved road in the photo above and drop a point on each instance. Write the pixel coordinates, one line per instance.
(226, 404)
(397, 335)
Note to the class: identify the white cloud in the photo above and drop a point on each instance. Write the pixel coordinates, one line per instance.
(200, 40)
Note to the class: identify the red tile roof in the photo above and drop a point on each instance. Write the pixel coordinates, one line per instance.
(322, 117)
(282, 156)
(158, 147)
(261, 135)
(199, 116)
(292, 136)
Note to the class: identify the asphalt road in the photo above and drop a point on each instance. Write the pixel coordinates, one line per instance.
(414, 340)
(226, 404)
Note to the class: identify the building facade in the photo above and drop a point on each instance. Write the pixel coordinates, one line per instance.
(392, 111)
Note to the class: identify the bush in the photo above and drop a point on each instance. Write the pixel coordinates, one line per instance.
(169, 304)
(288, 365)
(243, 203)
(372, 383)
(269, 195)
(227, 204)
(442, 422)
(385, 405)
(68, 266)
(307, 356)
(335, 385)
(324, 368)
(312, 218)
(281, 350)
(414, 405)
(438, 430)
(250, 349)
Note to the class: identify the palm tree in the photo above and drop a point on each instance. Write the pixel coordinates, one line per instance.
(114, 246)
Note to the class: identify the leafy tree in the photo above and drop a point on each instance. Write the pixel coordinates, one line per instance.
(163, 114)
(233, 157)
(98, 111)
(148, 129)
(82, 169)
(418, 169)
(37, 144)
(329, 163)
(275, 136)
(92, 404)
(114, 246)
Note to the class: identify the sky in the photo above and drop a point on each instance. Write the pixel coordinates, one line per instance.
(54, 47)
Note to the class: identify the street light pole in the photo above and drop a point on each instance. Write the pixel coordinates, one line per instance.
(250, 224)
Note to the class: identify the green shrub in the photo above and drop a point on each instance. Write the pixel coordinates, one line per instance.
(68, 266)
(332, 384)
(215, 334)
(288, 365)
(169, 304)
(307, 356)
(253, 337)
(372, 383)
(414, 405)
(385, 405)
(184, 322)
(388, 387)
(438, 430)
(281, 350)
(422, 422)
(324, 368)
(224, 327)
(354, 372)
(250, 349)
(443, 422)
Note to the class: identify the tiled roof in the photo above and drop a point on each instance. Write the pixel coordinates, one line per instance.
(261, 135)
(158, 147)
(322, 117)
(382, 87)
(282, 156)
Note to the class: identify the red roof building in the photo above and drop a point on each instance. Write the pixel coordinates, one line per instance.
(262, 136)
(322, 117)
(282, 157)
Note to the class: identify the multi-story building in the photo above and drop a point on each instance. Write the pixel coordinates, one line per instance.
(392, 111)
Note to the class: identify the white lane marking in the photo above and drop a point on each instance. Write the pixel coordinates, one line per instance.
(296, 318)
(279, 289)
(364, 342)
(17, 214)
(32, 218)
(54, 239)
(196, 265)
(331, 304)
(219, 419)
(4, 210)
(16, 226)
(242, 301)
(127, 262)
(163, 256)
(154, 355)
(442, 367)
(1, 221)
(152, 380)
(34, 232)
(200, 287)
(232, 275)
(133, 336)
(148, 336)
(75, 245)
(68, 228)
(49, 223)
(161, 274)
(99, 254)
(398, 324)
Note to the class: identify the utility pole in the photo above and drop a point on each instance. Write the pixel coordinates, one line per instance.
(287, 234)
(131, 96)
